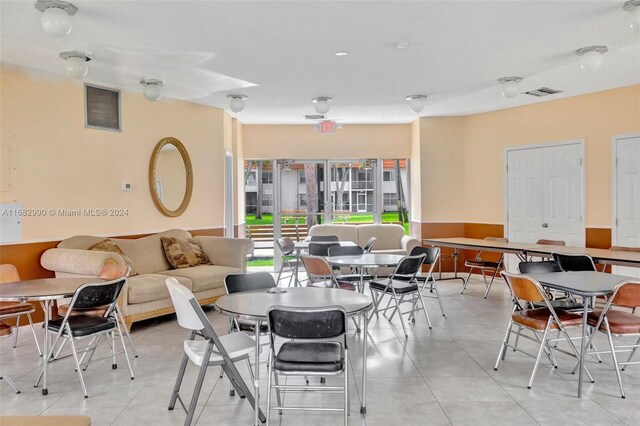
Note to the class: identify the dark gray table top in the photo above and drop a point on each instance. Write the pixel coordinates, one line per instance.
(42, 289)
(366, 260)
(253, 305)
(584, 283)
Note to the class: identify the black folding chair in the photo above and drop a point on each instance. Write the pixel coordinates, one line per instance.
(431, 258)
(574, 262)
(321, 248)
(324, 238)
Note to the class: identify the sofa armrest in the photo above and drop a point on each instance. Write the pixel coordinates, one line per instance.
(86, 263)
(408, 243)
(226, 251)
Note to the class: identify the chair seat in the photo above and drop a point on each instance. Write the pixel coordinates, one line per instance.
(354, 278)
(84, 325)
(98, 311)
(566, 305)
(537, 318)
(238, 345)
(401, 287)
(481, 264)
(250, 326)
(16, 308)
(5, 329)
(311, 357)
(423, 279)
(620, 322)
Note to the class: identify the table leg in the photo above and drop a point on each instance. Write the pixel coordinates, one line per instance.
(455, 276)
(296, 282)
(256, 378)
(365, 319)
(583, 341)
(45, 358)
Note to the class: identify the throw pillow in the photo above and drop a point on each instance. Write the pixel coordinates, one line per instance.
(183, 252)
(111, 247)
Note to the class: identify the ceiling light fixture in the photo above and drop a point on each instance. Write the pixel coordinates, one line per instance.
(75, 64)
(56, 16)
(416, 102)
(237, 102)
(591, 57)
(633, 7)
(340, 53)
(322, 104)
(510, 86)
(402, 44)
(151, 88)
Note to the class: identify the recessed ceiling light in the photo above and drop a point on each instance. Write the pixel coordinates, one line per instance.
(340, 53)
(402, 44)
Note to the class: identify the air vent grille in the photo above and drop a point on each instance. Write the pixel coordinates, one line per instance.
(314, 116)
(543, 91)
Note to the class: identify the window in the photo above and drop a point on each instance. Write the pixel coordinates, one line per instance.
(267, 177)
(302, 200)
(301, 177)
(267, 200)
(390, 199)
(389, 176)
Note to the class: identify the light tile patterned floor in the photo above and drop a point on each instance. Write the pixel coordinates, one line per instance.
(439, 376)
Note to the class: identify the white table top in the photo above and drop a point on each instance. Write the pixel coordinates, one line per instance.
(366, 260)
(42, 289)
(253, 305)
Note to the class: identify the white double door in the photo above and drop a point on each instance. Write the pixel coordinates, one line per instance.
(545, 193)
(626, 196)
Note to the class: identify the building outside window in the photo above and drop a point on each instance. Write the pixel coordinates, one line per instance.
(301, 177)
(389, 176)
(390, 199)
(267, 200)
(302, 200)
(267, 177)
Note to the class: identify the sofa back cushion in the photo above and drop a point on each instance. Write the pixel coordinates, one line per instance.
(388, 236)
(344, 232)
(146, 253)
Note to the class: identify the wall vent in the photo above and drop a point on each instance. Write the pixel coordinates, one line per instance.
(314, 116)
(543, 91)
(102, 108)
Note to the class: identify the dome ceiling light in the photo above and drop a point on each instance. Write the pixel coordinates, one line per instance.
(151, 88)
(416, 102)
(592, 57)
(322, 104)
(56, 16)
(75, 64)
(510, 86)
(237, 102)
(633, 7)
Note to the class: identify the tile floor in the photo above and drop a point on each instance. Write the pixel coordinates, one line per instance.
(439, 376)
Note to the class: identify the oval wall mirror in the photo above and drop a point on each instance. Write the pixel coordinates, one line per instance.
(170, 177)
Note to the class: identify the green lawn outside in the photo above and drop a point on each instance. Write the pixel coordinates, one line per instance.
(267, 219)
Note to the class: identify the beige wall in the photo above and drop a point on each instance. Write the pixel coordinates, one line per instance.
(303, 142)
(57, 163)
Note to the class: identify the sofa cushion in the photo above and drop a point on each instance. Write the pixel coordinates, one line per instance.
(183, 252)
(344, 232)
(204, 277)
(388, 236)
(151, 287)
(111, 247)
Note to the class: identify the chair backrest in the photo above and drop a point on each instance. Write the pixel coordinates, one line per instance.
(315, 265)
(524, 288)
(236, 283)
(369, 246)
(8, 273)
(181, 297)
(622, 248)
(408, 267)
(431, 254)
(544, 242)
(539, 267)
(627, 295)
(574, 262)
(345, 251)
(499, 239)
(307, 323)
(286, 245)
(93, 295)
(321, 249)
(324, 238)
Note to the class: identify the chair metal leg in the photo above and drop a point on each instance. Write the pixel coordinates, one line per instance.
(540, 350)
(434, 285)
(503, 349)
(491, 283)
(15, 336)
(78, 369)
(613, 355)
(126, 355)
(269, 373)
(346, 388)
(464, 284)
(198, 387)
(3, 375)
(91, 352)
(176, 386)
(123, 324)
(35, 337)
(404, 328)
(424, 309)
(112, 343)
(633, 352)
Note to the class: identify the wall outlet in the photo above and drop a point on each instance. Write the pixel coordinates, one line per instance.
(126, 185)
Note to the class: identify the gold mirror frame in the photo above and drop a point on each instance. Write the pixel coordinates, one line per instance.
(188, 171)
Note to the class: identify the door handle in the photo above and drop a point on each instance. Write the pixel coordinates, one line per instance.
(545, 225)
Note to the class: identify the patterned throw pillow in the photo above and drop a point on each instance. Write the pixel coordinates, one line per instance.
(111, 247)
(183, 252)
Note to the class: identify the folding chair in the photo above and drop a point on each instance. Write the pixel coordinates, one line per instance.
(574, 262)
(544, 267)
(431, 258)
(9, 273)
(615, 322)
(321, 248)
(213, 350)
(316, 345)
(402, 282)
(353, 276)
(485, 265)
(369, 245)
(286, 246)
(525, 292)
(5, 331)
(545, 242)
(324, 238)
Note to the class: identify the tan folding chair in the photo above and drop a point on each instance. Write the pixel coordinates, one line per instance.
(9, 310)
(491, 266)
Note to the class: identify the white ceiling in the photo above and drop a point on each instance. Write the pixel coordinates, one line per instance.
(280, 54)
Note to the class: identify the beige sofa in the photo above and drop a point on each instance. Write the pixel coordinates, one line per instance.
(146, 295)
(390, 238)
